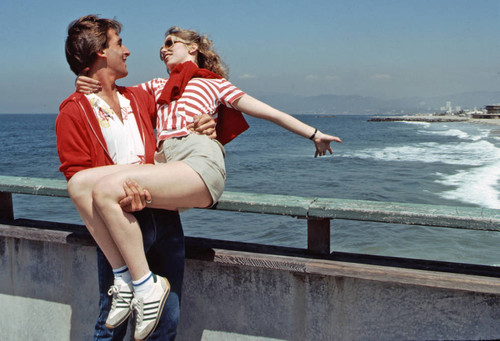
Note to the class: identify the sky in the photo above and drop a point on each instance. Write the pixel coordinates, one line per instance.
(382, 48)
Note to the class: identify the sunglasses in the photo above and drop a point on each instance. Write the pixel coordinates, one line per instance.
(169, 43)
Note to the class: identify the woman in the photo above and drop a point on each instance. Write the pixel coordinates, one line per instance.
(190, 169)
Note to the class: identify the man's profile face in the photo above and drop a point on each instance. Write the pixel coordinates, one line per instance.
(116, 54)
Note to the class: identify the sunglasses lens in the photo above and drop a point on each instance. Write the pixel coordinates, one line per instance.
(169, 43)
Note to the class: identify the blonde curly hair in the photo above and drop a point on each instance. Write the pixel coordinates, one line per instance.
(207, 58)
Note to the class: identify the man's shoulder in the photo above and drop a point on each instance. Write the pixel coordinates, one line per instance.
(156, 84)
(72, 102)
(74, 111)
(137, 95)
(128, 90)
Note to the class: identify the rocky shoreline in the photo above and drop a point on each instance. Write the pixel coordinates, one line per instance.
(434, 119)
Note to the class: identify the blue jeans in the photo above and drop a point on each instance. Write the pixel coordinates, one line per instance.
(164, 245)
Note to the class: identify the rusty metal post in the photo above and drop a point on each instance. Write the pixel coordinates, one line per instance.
(318, 235)
(6, 207)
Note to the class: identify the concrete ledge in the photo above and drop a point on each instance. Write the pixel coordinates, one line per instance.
(250, 292)
(335, 305)
(455, 276)
(70, 234)
(386, 274)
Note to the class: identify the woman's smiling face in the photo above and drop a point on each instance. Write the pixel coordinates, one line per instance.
(176, 51)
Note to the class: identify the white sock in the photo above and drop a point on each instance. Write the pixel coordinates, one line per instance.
(123, 274)
(143, 285)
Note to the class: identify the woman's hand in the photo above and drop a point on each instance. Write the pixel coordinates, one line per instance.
(87, 85)
(322, 143)
(135, 198)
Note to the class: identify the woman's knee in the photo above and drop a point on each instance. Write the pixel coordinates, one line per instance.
(79, 186)
(105, 192)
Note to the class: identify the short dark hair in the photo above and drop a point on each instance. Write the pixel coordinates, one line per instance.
(87, 36)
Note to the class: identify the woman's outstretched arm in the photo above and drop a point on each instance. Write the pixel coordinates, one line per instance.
(253, 107)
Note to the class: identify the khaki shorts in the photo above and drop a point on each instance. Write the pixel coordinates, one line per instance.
(203, 155)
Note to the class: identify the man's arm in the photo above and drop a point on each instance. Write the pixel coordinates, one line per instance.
(72, 142)
(136, 197)
(203, 125)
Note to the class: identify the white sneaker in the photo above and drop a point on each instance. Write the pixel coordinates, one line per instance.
(148, 309)
(121, 304)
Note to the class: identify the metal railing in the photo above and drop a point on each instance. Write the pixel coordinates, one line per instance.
(317, 211)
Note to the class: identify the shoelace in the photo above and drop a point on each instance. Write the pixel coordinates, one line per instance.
(115, 292)
(138, 308)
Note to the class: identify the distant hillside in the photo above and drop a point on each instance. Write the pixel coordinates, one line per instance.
(476, 99)
(354, 104)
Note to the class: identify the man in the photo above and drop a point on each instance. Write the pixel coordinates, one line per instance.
(116, 126)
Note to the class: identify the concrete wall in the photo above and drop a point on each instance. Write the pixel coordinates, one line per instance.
(48, 291)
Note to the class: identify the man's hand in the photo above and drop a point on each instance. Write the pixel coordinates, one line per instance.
(135, 198)
(203, 125)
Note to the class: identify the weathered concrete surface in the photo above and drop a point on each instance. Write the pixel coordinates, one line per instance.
(288, 305)
(61, 276)
(41, 315)
(231, 294)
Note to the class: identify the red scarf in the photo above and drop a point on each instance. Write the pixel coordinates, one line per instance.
(230, 122)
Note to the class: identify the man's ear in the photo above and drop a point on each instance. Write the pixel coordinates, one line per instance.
(101, 54)
(84, 72)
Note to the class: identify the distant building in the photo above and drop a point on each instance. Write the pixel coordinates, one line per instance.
(448, 109)
(492, 111)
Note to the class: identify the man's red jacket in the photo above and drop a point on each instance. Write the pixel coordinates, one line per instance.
(80, 143)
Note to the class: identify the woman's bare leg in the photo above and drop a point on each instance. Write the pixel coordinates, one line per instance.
(80, 190)
(171, 185)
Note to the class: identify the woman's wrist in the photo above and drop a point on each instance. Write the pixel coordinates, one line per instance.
(314, 134)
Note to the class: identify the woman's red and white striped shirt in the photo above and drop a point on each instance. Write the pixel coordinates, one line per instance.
(201, 96)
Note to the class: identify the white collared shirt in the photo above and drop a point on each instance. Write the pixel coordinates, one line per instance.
(123, 139)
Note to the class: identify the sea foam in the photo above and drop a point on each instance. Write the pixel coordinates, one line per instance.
(458, 133)
(474, 153)
(476, 177)
(477, 186)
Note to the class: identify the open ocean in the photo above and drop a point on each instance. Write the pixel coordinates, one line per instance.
(454, 164)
